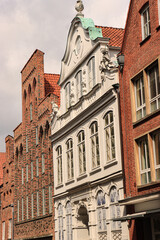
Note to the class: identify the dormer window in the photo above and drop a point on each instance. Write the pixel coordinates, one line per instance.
(67, 95)
(79, 84)
(146, 29)
(91, 73)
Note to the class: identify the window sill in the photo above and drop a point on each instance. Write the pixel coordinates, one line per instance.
(69, 182)
(145, 40)
(95, 170)
(158, 28)
(141, 187)
(147, 117)
(110, 163)
(82, 176)
(59, 186)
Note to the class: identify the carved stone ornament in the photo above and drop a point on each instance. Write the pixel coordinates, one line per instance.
(106, 66)
(79, 7)
(84, 88)
(55, 110)
(72, 94)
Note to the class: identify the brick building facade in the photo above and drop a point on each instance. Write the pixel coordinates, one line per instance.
(140, 116)
(7, 190)
(33, 155)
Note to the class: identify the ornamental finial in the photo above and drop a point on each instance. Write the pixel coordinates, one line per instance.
(79, 7)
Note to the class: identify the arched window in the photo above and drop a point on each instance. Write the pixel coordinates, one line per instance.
(70, 159)
(34, 83)
(91, 73)
(81, 152)
(69, 220)
(25, 95)
(114, 208)
(101, 211)
(67, 95)
(95, 145)
(60, 222)
(79, 84)
(110, 137)
(29, 89)
(59, 164)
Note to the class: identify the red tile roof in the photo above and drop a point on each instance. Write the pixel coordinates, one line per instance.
(51, 85)
(2, 160)
(115, 35)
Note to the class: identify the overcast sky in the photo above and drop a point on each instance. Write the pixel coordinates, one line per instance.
(26, 25)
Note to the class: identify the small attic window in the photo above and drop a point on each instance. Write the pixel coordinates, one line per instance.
(25, 95)
(29, 89)
(34, 83)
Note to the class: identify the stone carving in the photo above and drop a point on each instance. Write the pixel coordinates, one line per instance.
(79, 7)
(106, 67)
(72, 94)
(55, 111)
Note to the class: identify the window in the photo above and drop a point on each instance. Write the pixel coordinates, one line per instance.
(140, 98)
(91, 73)
(18, 211)
(32, 205)
(22, 176)
(37, 203)
(59, 162)
(156, 142)
(154, 84)
(43, 201)
(50, 199)
(31, 111)
(110, 137)
(95, 145)
(3, 231)
(27, 207)
(43, 163)
(26, 172)
(36, 135)
(37, 166)
(114, 208)
(81, 152)
(60, 222)
(67, 95)
(32, 170)
(70, 159)
(145, 171)
(22, 210)
(101, 211)
(69, 220)
(10, 229)
(26, 143)
(79, 84)
(146, 29)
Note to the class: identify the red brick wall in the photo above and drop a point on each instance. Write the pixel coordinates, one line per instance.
(137, 56)
(41, 109)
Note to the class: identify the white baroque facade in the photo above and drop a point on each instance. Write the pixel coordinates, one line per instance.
(86, 139)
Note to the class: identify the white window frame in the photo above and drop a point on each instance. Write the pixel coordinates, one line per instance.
(37, 166)
(145, 26)
(114, 209)
(81, 152)
(10, 229)
(91, 73)
(146, 171)
(26, 144)
(32, 205)
(26, 172)
(79, 84)
(67, 95)
(95, 145)
(69, 221)
(22, 175)
(59, 163)
(50, 199)
(3, 230)
(110, 136)
(43, 163)
(43, 201)
(69, 153)
(101, 212)
(156, 148)
(156, 98)
(37, 203)
(22, 209)
(141, 108)
(27, 216)
(60, 222)
(31, 170)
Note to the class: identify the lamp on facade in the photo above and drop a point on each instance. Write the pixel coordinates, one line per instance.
(120, 59)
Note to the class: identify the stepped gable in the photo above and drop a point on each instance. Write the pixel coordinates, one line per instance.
(115, 35)
(51, 85)
(2, 160)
